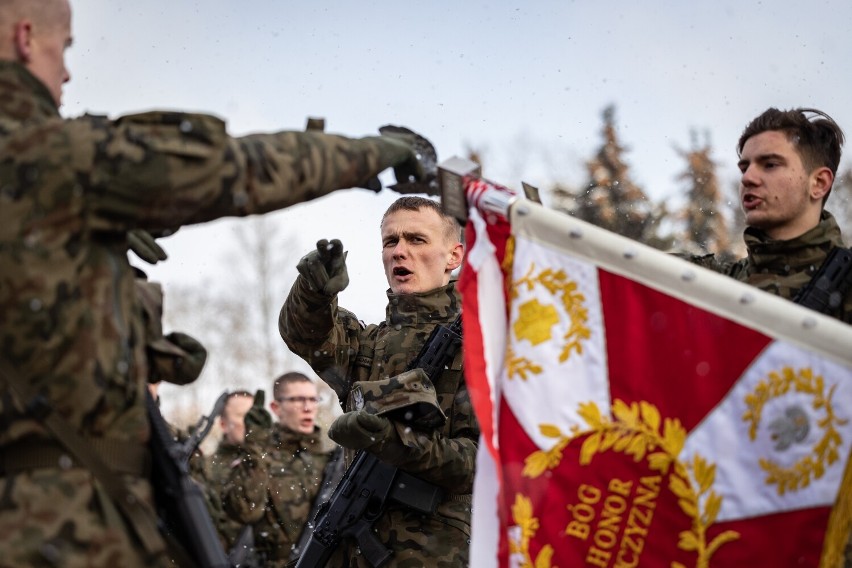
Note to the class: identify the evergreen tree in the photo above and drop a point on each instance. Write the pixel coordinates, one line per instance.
(610, 199)
(702, 225)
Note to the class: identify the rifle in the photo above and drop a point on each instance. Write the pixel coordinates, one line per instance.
(201, 429)
(826, 289)
(332, 473)
(370, 484)
(243, 552)
(185, 519)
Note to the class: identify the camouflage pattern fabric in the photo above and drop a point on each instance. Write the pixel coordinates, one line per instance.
(218, 469)
(70, 190)
(784, 267)
(175, 358)
(273, 488)
(344, 352)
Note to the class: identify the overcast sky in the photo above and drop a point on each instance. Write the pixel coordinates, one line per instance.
(523, 81)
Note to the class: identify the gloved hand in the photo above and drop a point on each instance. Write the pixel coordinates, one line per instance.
(188, 368)
(258, 421)
(143, 244)
(358, 429)
(324, 269)
(417, 173)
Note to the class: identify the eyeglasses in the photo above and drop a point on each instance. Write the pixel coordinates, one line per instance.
(301, 400)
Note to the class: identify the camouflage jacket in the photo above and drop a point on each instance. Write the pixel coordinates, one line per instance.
(69, 192)
(784, 267)
(218, 467)
(274, 486)
(342, 351)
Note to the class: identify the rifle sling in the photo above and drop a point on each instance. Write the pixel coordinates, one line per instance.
(122, 457)
(138, 515)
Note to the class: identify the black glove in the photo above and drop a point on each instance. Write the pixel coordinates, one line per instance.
(418, 173)
(258, 421)
(324, 269)
(189, 367)
(145, 246)
(358, 429)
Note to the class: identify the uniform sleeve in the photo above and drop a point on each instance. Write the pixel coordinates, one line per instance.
(323, 334)
(161, 170)
(445, 458)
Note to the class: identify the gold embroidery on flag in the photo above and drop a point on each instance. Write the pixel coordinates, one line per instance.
(526, 525)
(635, 431)
(520, 365)
(793, 426)
(535, 320)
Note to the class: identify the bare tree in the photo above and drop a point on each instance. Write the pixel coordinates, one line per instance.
(840, 203)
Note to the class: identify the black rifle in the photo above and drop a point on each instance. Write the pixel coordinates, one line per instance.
(202, 428)
(180, 501)
(332, 473)
(826, 289)
(370, 484)
(242, 553)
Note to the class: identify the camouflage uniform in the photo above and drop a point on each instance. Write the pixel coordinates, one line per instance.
(274, 486)
(218, 469)
(784, 267)
(342, 351)
(69, 192)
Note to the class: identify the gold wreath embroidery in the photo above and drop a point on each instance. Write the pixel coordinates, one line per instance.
(535, 320)
(528, 525)
(635, 431)
(520, 365)
(824, 452)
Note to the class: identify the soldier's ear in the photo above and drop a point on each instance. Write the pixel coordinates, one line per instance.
(23, 35)
(821, 182)
(454, 259)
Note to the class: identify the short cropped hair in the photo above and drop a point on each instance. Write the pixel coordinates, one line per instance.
(452, 229)
(236, 393)
(287, 379)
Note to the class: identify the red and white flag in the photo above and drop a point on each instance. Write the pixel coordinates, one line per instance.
(637, 410)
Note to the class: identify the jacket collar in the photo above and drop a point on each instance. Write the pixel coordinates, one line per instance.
(803, 252)
(436, 306)
(22, 96)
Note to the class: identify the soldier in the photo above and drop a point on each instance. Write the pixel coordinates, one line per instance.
(366, 368)
(228, 454)
(274, 486)
(788, 161)
(73, 360)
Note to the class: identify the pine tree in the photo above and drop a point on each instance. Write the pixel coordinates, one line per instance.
(610, 199)
(703, 227)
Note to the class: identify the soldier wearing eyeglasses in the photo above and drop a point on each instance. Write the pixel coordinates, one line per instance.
(274, 484)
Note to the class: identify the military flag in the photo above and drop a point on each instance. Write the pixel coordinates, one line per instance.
(637, 410)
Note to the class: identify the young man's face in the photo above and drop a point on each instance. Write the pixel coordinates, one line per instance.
(48, 42)
(232, 419)
(417, 253)
(778, 195)
(297, 406)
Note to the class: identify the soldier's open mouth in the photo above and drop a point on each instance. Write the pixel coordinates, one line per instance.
(400, 271)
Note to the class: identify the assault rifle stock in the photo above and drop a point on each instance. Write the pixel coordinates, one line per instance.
(826, 289)
(180, 501)
(202, 428)
(332, 475)
(370, 484)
